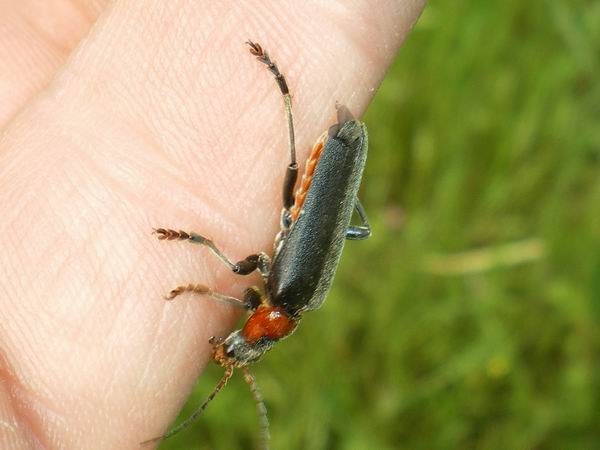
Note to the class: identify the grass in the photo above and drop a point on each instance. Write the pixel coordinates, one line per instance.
(470, 319)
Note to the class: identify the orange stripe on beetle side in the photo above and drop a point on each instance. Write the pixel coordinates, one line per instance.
(307, 177)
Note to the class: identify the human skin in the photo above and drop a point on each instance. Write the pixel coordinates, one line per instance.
(159, 117)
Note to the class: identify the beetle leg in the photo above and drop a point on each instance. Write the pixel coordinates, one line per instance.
(360, 232)
(253, 297)
(291, 174)
(205, 290)
(258, 261)
(264, 266)
(246, 266)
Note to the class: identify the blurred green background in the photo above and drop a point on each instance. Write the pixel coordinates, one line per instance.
(470, 319)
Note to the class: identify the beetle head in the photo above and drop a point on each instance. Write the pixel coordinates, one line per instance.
(236, 351)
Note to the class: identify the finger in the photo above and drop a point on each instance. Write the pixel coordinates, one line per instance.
(160, 116)
(36, 38)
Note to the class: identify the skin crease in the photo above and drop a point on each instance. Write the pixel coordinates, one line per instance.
(36, 37)
(159, 117)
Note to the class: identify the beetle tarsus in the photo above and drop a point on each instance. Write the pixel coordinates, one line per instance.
(170, 235)
(195, 288)
(264, 58)
(362, 231)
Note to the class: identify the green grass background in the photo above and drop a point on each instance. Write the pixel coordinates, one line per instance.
(470, 319)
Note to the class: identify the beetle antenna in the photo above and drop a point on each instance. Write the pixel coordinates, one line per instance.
(292, 170)
(260, 408)
(226, 376)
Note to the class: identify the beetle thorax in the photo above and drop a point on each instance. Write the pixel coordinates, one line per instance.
(268, 322)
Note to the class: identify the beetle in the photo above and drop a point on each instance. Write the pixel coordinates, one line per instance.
(315, 222)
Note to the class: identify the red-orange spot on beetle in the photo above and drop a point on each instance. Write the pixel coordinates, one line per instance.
(269, 322)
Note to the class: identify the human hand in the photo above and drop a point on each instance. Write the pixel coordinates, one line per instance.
(160, 118)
